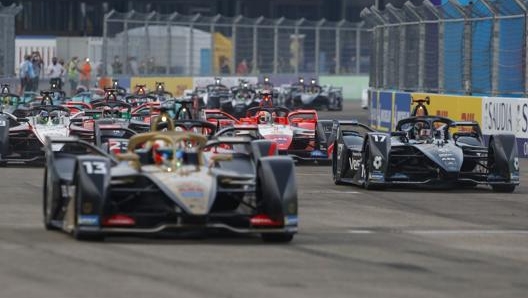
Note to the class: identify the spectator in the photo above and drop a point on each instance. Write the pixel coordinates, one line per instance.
(86, 74)
(64, 71)
(37, 68)
(133, 66)
(117, 66)
(55, 71)
(26, 74)
(242, 68)
(224, 65)
(73, 74)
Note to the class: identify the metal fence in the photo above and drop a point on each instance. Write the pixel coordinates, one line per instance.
(155, 44)
(480, 48)
(7, 39)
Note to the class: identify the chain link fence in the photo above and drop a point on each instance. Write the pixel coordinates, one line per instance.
(480, 48)
(7, 39)
(191, 45)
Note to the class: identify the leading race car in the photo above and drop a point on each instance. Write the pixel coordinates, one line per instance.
(425, 150)
(170, 181)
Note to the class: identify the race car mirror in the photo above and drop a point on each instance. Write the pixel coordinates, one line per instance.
(403, 135)
(23, 120)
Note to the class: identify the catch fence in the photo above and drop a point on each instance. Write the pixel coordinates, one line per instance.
(7, 39)
(196, 45)
(480, 48)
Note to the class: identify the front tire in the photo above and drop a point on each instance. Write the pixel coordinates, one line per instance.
(335, 177)
(47, 194)
(77, 233)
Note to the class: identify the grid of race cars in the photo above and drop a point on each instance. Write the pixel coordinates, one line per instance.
(219, 158)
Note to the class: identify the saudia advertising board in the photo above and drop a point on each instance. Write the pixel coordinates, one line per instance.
(506, 115)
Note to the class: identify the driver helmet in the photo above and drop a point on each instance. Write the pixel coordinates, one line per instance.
(43, 117)
(420, 111)
(267, 98)
(55, 117)
(421, 130)
(161, 152)
(264, 117)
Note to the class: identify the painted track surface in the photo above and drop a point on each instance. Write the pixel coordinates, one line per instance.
(352, 243)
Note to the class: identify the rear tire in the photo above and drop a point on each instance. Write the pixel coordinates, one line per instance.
(501, 188)
(508, 188)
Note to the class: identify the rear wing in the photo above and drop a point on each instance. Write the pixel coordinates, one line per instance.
(466, 126)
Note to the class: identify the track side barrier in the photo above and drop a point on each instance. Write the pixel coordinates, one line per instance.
(494, 114)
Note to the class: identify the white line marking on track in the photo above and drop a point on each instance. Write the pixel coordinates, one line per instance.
(441, 232)
(329, 191)
(359, 232)
(455, 232)
(313, 174)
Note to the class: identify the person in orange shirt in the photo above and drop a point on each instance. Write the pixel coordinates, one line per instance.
(86, 73)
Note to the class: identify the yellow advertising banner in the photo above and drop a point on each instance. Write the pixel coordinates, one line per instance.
(223, 51)
(456, 107)
(175, 85)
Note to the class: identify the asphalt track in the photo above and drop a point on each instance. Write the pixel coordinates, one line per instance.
(352, 243)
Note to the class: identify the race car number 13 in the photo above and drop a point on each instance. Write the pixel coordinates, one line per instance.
(95, 167)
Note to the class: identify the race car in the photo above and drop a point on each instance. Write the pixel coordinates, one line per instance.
(215, 95)
(170, 181)
(243, 97)
(429, 151)
(108, 116)
(9, 102)
(160, 93)
(22, 138)
(312, 95)
(299, 134)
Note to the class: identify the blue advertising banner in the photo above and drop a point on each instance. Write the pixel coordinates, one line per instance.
(401, 107)
(385, 111)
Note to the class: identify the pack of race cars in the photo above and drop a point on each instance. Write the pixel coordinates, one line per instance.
(118, 163)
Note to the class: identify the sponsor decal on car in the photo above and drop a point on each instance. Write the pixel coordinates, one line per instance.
(291, 220)
(88, 220)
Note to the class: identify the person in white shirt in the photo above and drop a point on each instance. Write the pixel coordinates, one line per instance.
(55, 71)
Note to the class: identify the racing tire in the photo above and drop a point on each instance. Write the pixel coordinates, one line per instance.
(76, 232)
(500, 188)
(270, 205)
(367, 164)
(46, 204)
(277, 237)
(339, 105)
(335, 178)
(503, 188)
